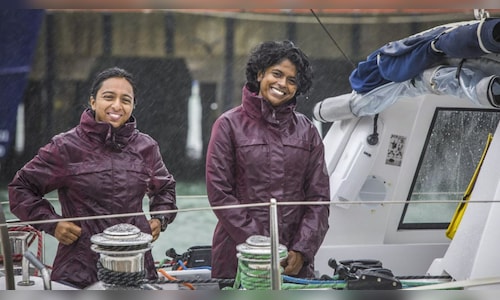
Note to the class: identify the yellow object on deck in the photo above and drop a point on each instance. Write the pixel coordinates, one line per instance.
(459, 212)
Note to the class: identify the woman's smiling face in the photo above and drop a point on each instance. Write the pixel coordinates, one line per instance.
(113, 102)
(278, 83)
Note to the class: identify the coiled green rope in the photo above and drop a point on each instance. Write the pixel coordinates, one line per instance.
(254, 273)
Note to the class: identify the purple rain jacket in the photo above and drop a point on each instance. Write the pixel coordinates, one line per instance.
(97, 171)
(257, 152)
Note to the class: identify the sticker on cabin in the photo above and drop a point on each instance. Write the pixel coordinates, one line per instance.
(395, 151)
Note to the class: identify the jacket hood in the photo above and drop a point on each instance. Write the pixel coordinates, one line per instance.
(105, 133)
(258, 107)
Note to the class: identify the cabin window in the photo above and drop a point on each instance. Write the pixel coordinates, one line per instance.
(453, 149)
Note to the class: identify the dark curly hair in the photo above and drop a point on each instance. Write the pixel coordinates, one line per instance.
(270, 53)
(112, 72)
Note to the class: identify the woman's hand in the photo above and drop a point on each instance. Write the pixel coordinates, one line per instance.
(155, 225)
(67, 232)
(293, 263)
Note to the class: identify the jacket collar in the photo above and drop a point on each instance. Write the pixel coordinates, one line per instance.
(258, 107)
(104, 133)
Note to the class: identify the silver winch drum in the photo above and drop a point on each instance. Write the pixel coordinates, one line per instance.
(122, 247)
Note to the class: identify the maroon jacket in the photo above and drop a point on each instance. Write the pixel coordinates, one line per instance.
(257, 152)
(97, 171)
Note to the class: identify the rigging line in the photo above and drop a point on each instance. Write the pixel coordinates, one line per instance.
(332, 39)
(262, 204)
(293, 202)
(309, 202)
(212, 208)
(107, 216)
(205, 196)
(386, 202)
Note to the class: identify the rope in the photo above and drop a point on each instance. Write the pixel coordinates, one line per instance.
(137, 279)
(284, 203)
(130, 279)
(182, 281)
(254, 271)
(248, 278)
(333, 40)
(253, 274)
(293, 283)
(36, 234)
(459, 284)
(170, 277)
(254, 266)
(424, 277)
(410, 281)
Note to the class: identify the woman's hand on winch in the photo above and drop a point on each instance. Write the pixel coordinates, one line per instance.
(293, 263)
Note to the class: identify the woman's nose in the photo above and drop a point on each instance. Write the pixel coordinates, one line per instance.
(116, 103)
(282, 81)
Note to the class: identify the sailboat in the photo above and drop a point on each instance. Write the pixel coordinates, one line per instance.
(413, 161)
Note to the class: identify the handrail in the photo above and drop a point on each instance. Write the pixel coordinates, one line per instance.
(41, 267)
(7, 253)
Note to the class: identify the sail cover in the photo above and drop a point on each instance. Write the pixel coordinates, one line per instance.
(404, 59)
(452, 59)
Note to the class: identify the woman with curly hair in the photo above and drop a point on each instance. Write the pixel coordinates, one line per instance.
(265, 149)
